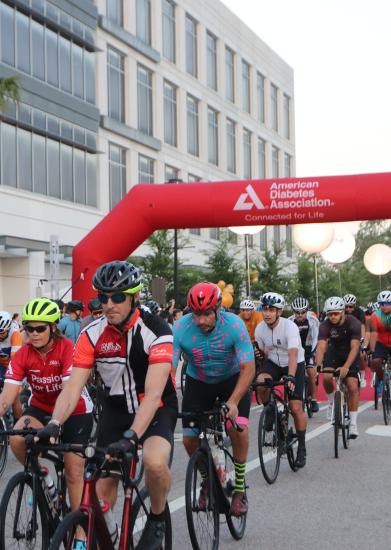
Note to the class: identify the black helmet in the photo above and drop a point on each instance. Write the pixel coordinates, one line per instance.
(75, 305)
(117, 275)
(153, 307)
(94, 305)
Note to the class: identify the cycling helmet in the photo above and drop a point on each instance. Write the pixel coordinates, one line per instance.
(204, 296)
(94, 305)
(370, 306)
(153, 307)
(334, 303)
(247, 304)
(41, 309)
(375, 306)
(273, 299)
(75, 305)
(117, 275)
(300, 304)
(384, 296)
(5, 320)
(350, 300)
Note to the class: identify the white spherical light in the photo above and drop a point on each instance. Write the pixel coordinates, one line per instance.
(377, 259)
(313, 237)
(341, 249)
(246, 229)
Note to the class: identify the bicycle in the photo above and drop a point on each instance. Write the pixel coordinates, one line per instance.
(341, 413)
(90, 519)
(276, 435)
(386, 391)
(204, 521)
(29, 514)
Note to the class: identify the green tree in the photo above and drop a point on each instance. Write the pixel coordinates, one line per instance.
(9, 90)
(275, 274)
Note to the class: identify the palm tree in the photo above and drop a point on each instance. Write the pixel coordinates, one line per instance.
(9, 90)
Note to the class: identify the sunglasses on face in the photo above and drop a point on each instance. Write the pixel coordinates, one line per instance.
(200, 313)
(349, 307)
(117, 298)
(40, 328)
(334, 314)
(382, 304)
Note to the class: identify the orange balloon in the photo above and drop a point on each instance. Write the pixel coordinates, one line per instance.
(227, 299)
(221, 285)
(229, 288)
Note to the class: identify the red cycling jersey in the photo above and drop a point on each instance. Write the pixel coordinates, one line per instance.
(45, 374)
(382, 325)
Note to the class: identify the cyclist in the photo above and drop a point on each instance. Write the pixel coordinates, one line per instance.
(220, 365)
(70, 324)
(338, 348)
(279, 338)
(10, 343)
(45, 360)
(96, 311)
(153, 307)
(250, 317)
(308, 326)
(352, 308)
(380, 332)
(132, 350)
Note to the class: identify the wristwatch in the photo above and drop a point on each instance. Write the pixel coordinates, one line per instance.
(131, 435)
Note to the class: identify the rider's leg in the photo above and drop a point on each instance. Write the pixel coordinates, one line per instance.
(17, 442)
(313, 388)
(156, 455)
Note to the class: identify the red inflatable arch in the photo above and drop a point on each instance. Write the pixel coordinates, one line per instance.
(147, 208)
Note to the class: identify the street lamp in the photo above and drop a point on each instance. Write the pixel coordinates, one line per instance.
(176, 286)
(247, 230)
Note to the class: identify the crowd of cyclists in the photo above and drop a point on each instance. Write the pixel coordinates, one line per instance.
(136, 348)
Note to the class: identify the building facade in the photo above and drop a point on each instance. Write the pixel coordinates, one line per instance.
(122, 92)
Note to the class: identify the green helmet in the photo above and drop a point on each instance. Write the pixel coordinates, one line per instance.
(41, 309)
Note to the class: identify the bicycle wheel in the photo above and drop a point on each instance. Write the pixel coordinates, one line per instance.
(386, 399)
(337, 420)
(345, 424)
(140, 510)
(65, 533)
(3, 446)
(236, 525)
(291, 444)
(16, 510)
(307, 398)
(269, 447)
(202, 521)
(375, 394)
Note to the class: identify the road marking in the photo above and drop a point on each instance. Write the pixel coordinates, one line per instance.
(179, 502)
(379, 429)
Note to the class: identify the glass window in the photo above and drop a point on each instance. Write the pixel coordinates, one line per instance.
(213, 140)
(246, 154)
(114, 11)
(275, 169)
(79, 170)
(169, 30)
(67, 192)
(193, 179)
(191, 46)
(192, 126)
(289, 248)
(53, 125)
(8, 155)
(261, 97)
(24, 113)
(66, 130)
(115, 84)
(277, 237)
(25, 180)
(39, 119)
(287, 165)
(78, 28)
(261, 158)
(170, 114)
(39, 165)
(65, 21)
(287, 130)
(143, 20)
(89, 75)
(211, 60)
(273, 107)
(144, 100)
(7, 34)
(263, 239)
(77, 71)
(145, 169)
(229, 75)
(52, 12)
(38, 50)
(245, 86)
(91, 179)
(23, 42)
(117, 174)
(38, 5)
(214, 233)
(65, 65)
(231, 146)
(170, 173)
(195, 231)
(52, 57)
(53, 156)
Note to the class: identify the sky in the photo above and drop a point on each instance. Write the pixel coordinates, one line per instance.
(340, 52)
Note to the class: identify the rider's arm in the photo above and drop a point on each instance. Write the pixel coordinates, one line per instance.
(245, 356)
(292, 361)
(70, 394)
(246, 376)
(13, 382)
(8, 396)
(354, 350)
(373, 334)
(320, 351)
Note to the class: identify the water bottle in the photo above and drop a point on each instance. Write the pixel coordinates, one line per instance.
(52, 489)
(219, 460)
(110, 520)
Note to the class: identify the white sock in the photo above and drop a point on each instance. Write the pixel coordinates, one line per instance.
(353, 418)
(330, 397)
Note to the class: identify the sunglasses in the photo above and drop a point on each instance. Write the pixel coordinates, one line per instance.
(40, 328)
(200, 313)
(269, 308)
(350, 307)
(381, 304)
(334, 313)
(117, 298)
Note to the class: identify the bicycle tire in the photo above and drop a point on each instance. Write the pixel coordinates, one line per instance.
(345, 424)
(236, 525)
(211, 513)
(307, 398)
(269, 446)
(375, 394)
(140, 509)
(64, 534)
(4, 443)
(337, 420)
(291, 445)
(386, 399)
(23, 498)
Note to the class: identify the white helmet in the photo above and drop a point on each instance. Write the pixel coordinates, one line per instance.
(384, 296)
(5, 320)
(247, 304)
(375, 306)
(335, 303)
(273, 299)
(350, 300)
(300, 304)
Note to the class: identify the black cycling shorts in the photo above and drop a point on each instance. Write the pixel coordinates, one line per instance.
(381, 351)
(77, 429)
(277, 372)
(115, 419)
(333, 361)
(200, 396)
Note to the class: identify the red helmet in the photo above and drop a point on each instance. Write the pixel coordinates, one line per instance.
(204, 296)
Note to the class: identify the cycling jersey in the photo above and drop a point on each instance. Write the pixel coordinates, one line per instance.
(308, 329)
(358, 314)
(382, 325)
(45, 374)
(9, 347)
(216, 355)
(252, 323)
(278, 340)
(122, 357)
(340, 336)
(70, 327)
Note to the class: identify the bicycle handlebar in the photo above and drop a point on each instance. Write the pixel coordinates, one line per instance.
(223, 407)
(269, 383)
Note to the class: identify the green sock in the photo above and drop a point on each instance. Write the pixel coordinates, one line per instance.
(240, 469)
